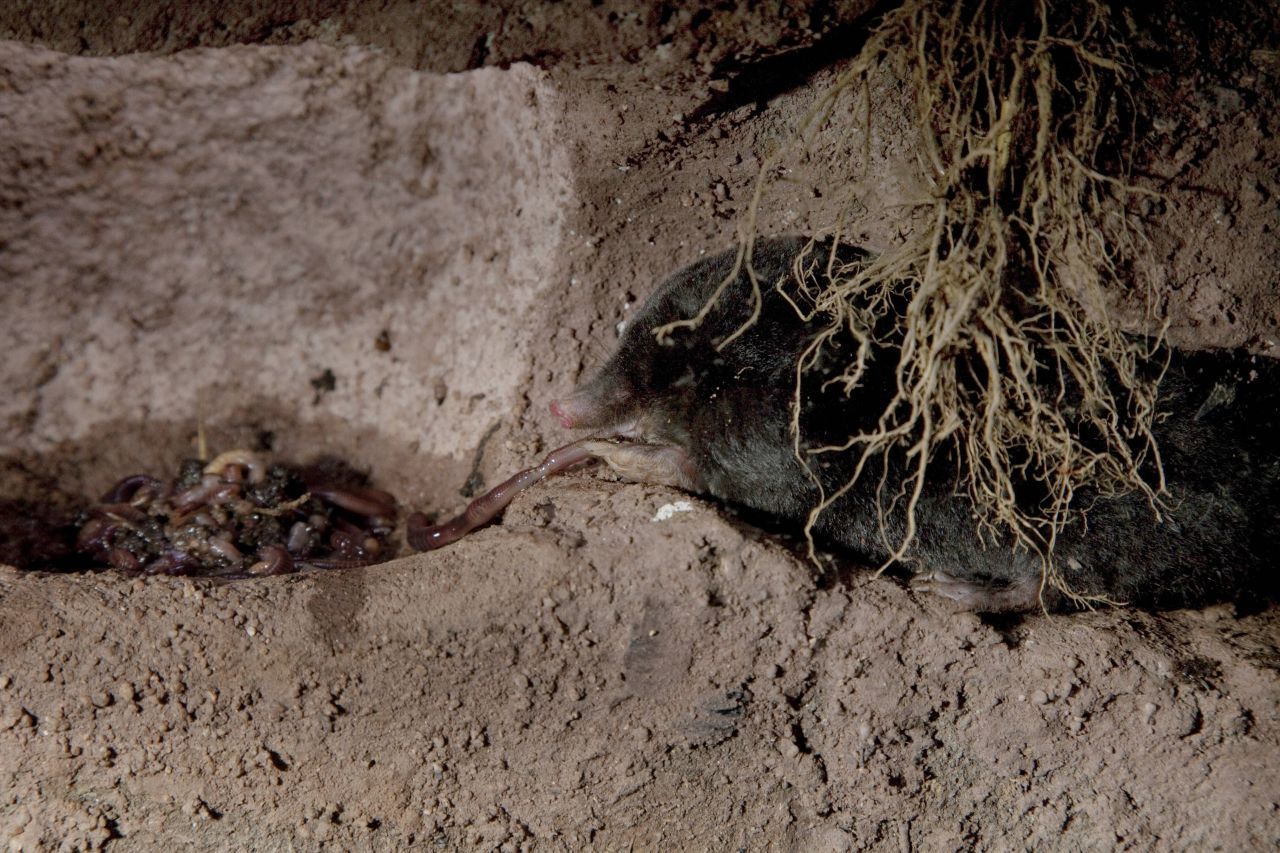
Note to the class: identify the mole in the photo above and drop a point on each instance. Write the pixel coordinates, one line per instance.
(717, 420)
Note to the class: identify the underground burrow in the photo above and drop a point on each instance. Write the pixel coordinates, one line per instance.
(270, 251)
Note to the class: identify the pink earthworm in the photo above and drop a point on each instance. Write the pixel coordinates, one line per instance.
(247, 459)
(346, 544)
(423, 536)
(225, 548)
(201, 493)
(362, 500)
(123, 491)
(272, 560)
(172, 562)
(124, 513)
(120, 558)
(96, 535)
(350, 542)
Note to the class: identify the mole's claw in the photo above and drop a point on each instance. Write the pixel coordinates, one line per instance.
(983, 597)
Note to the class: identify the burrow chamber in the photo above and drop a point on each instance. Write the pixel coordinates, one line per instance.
(304, 252)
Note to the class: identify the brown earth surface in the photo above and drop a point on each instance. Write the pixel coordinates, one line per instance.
(201, 214)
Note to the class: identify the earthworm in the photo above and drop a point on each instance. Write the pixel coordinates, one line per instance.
(95, 535)
(121, 558)
(201, 493)
(226, 494)
(423, 536)
(124, 513)
(123, 491)
(272, 560)
(172, 562)
(247, 458)
(362, 500)
(234, 473)
(344, 543)
(349, 541)
(225, 549)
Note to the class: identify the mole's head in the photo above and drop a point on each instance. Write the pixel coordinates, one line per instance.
(640, 391)
(649, 389)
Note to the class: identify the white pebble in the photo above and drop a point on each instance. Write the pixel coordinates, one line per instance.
(667, 510)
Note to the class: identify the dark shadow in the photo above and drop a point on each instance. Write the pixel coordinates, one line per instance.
(760, 81)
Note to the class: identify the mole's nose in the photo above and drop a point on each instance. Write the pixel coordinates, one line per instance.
(560, 413)
(580, 410)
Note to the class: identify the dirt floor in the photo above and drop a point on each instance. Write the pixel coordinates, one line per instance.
(202, 217)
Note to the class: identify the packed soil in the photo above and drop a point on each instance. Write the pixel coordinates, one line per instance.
(392, 233)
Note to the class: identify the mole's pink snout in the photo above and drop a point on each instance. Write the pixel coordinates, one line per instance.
(574, 411)
(559, 413)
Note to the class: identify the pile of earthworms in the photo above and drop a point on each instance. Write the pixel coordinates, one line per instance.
(236, 517)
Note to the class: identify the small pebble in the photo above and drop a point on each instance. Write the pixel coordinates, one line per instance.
(10, 716)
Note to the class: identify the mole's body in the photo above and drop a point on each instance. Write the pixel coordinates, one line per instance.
(718, 423)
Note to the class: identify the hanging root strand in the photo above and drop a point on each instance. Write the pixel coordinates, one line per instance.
(1009, 354)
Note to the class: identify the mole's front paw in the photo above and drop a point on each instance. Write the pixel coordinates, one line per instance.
(659, 464)
(984, 597)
